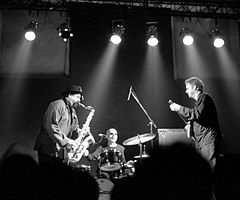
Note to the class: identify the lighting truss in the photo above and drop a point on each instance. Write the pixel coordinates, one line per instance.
(193, 8)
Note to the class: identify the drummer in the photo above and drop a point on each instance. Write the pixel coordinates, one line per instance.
(112, 137)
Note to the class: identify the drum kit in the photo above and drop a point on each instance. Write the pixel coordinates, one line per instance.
(111, 161)
(112, 167)
(139, 140)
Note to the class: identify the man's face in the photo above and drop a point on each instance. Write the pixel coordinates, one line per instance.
(112, 135)
(190, 90)
(76, 98)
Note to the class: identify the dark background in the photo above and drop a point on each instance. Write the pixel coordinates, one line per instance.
(24, 99)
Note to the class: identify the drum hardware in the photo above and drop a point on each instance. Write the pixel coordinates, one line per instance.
(140, 139)
(104, 175)
(144, 154)
(110, 160)
(111, 175)
(81, 168)
(128, 168)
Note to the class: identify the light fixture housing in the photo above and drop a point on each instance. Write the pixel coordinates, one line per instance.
(30, 31)
(117, 31)
(64, 31)
(217, 38)
(187, 36)
(152, 36)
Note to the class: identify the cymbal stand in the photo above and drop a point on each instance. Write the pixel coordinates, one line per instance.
(140, 149)
(151, 123)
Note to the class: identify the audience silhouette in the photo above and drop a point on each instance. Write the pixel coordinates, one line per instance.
(175, 172)
(21, 178)
(18, 177)
(65, 183)
(226, 177)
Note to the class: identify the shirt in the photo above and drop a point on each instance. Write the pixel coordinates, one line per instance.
(204, 120)
(57, 126)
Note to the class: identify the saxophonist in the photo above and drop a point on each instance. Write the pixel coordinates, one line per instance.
(59, 122)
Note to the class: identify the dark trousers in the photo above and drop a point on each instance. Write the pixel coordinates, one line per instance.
(210, 152)
(50, 166)
(45, 159)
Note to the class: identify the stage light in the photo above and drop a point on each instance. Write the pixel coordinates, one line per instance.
(117, 31)
(187, 36)
(64, 32)
(30, 29)
(152, 39)
(216, 37)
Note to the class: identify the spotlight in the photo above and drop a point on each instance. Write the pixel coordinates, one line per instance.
(215, 35)
(31, 28)
(152, 34)
(187, 37)
(117, 31)
(64, 32)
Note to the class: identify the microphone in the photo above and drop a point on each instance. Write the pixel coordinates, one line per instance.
(101, 135)
(129, 94)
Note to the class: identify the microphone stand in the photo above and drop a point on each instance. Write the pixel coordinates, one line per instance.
(151, 123)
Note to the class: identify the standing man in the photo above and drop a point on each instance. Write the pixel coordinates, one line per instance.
(59, 122)
(203, 119)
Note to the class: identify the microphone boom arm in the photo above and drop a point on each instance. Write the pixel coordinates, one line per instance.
(151, 122)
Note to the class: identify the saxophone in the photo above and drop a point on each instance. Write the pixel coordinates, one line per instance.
(84, 139)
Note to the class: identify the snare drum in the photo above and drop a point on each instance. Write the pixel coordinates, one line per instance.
(110, 160)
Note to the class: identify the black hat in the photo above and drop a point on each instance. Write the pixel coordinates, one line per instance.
(73, 89)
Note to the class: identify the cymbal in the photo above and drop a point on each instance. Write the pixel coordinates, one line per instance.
(139, 139)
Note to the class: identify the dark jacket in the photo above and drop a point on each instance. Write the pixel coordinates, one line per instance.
(57, 126)
(204, 120)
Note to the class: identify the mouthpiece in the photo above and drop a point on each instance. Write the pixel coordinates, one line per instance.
(80, 104)
(85, 107)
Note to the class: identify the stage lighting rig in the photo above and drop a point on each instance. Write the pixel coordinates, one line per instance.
(152, 38)
(117, 31)
(217, 38)
(64, 32)
(31, 29)
(187, 36)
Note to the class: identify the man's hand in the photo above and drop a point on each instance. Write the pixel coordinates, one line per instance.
(175, 107)
(86, 153)
(88, 130)
(73, 143)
